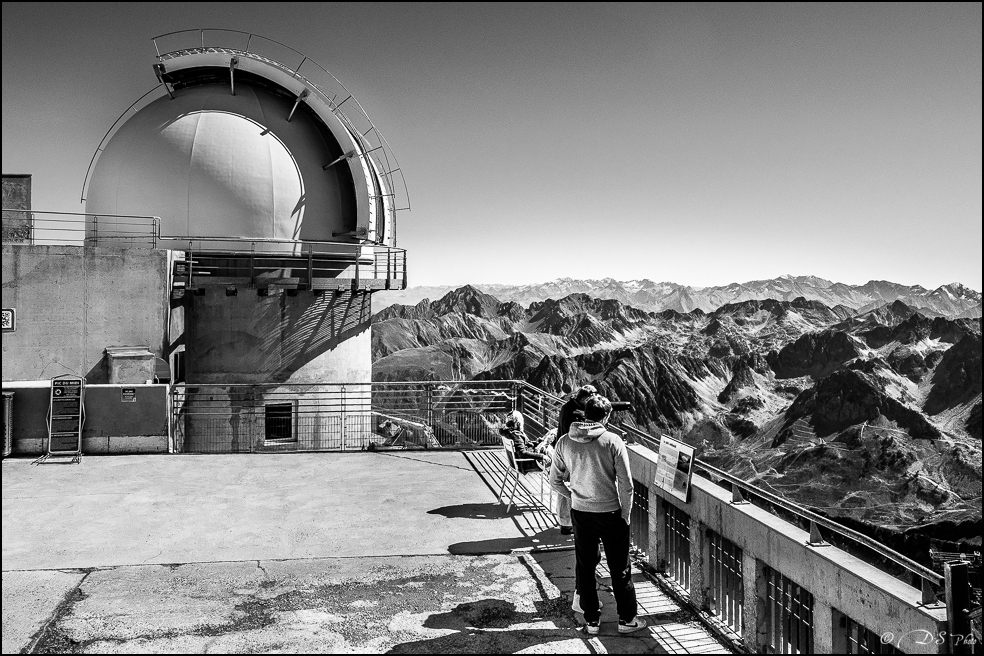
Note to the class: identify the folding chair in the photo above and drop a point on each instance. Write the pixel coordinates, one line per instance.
(516, 467)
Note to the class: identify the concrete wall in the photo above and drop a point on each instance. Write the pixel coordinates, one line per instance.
(111, 425)
(839, 582)
(16, 196)
(72, 302)
(245, 351)
(307, 337)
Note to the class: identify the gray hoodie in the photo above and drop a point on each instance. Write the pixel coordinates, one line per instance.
(597, 463)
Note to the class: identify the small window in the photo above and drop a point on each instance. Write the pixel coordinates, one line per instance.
(280, 422)
(178, 371)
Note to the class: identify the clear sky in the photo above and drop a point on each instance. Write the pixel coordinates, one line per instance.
(699, 144)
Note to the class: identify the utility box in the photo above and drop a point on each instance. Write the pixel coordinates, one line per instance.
(130, 364)
(8, 423)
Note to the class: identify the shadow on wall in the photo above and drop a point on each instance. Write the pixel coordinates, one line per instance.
(99, 373)
(270, 338)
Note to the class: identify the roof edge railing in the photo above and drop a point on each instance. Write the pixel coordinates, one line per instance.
(76, 228)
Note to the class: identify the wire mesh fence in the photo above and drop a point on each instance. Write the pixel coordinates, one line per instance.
(347, 417)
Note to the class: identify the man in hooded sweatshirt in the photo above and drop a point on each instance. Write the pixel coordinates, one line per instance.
(597, 464)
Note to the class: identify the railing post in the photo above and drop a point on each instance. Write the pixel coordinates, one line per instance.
(342, 428)
(958, 607)
(250, 421)
(429, 389)
(698, 581)
(310, 273)
(358, 254)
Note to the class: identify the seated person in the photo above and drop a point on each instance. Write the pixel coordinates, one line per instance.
(391, 431)
(547, 442)
(521, 445)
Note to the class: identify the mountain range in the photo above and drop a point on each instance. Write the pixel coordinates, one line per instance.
(868, 412)
(953, 300)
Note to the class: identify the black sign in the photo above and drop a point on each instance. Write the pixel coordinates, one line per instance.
(128, 395)
(66, 416)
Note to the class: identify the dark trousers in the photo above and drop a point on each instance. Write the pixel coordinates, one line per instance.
(613, 532)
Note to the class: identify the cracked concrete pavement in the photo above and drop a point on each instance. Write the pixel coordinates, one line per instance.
(396, 553)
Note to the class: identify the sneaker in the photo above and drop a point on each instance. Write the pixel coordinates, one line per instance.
(567, 530)
(634, 625)
(593, 628)
(576, 604)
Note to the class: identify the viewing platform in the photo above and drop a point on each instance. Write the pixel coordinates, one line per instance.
(397, 552)
(415, 469)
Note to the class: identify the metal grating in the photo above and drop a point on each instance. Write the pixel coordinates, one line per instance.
(678, 546)
(860, 640)
(788, 615)
(726, 586)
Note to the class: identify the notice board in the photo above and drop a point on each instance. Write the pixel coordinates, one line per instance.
(675, 468)
(66, 413)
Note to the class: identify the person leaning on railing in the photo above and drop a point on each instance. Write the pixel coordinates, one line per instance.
(570, 412)
(573, 410)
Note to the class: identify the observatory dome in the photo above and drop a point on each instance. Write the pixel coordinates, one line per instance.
(213, 164)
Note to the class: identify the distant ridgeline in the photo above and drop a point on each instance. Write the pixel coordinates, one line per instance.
(866, 411)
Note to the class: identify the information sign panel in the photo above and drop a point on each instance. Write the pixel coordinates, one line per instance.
(65, 416)
(8, 319)
(675, 467)
(128, 395)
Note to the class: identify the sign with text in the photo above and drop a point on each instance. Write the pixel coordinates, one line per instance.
(65, 416)
(128, 395)
(9, 320)
(675, 467)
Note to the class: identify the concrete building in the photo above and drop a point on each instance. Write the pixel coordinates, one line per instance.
(237, 221)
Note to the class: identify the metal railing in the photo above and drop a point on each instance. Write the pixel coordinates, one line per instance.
(726, 588)
(677, 539)
(211, 256)
(338, 417)
(79, 229)
(788, 615)
(303, 263)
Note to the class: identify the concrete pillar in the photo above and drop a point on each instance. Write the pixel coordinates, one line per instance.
(753, 578)
(655, 515)
(957, 602)
(838, 638)
(823, 628)
(698, 558)
(659, 537)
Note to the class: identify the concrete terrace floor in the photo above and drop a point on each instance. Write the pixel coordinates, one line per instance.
(395, 552)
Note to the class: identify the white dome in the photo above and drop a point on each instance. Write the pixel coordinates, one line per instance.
(213, 164)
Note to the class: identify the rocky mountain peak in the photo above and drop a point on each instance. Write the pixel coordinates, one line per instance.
(469, 300)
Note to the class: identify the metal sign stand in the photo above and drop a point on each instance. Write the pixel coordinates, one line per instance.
(66, 414)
